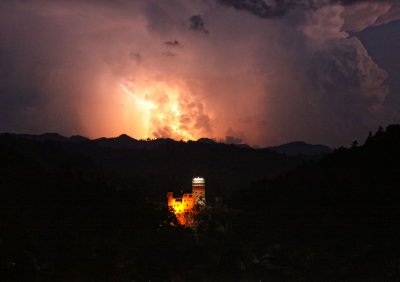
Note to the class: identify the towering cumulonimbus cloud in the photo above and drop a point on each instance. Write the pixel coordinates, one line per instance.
(260, 71)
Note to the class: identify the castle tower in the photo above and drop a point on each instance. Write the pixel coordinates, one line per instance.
(199, 190)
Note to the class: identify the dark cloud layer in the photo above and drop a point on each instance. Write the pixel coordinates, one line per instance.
(264, 72)
(278, 8)
(196, 23)
(259, 7)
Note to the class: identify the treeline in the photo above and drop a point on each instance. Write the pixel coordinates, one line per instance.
(337, 219)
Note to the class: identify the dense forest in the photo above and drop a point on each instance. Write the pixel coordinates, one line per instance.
(83, 210)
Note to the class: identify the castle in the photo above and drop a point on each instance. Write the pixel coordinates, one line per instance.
(185, 207)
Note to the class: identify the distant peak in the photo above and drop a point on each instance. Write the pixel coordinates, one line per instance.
(300, 148)
(52, 134)
(296, 143)
(206, 140)
(126, 137)
(78, 138)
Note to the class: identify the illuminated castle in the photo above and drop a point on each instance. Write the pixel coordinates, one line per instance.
(186, 206)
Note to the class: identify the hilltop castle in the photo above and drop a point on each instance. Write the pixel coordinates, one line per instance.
(186, 206)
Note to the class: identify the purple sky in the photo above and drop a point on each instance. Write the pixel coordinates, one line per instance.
(266, 72)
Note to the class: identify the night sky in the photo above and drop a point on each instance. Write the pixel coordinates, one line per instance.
(266, 72)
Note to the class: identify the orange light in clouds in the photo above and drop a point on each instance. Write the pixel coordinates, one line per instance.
(168, 111)
(143, 104)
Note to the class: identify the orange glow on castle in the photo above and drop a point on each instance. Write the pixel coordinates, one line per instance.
(185, 207)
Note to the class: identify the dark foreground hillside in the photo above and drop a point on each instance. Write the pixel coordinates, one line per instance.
(75, 210)
(334, 220)
(80, 212)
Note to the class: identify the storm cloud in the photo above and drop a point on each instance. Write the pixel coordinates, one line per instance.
(265, 72)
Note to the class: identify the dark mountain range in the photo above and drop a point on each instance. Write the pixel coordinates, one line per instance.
(160, 164)
(301, 148)
(126, 142)
(55, 137)
(42, 137)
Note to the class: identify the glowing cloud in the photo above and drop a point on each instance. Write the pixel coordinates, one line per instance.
(169, 111)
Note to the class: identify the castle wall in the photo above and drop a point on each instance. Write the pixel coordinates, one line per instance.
(183, 207)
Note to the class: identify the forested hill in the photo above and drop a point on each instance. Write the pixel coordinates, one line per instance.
(155, 166)
(338, 217)
(360, 175)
